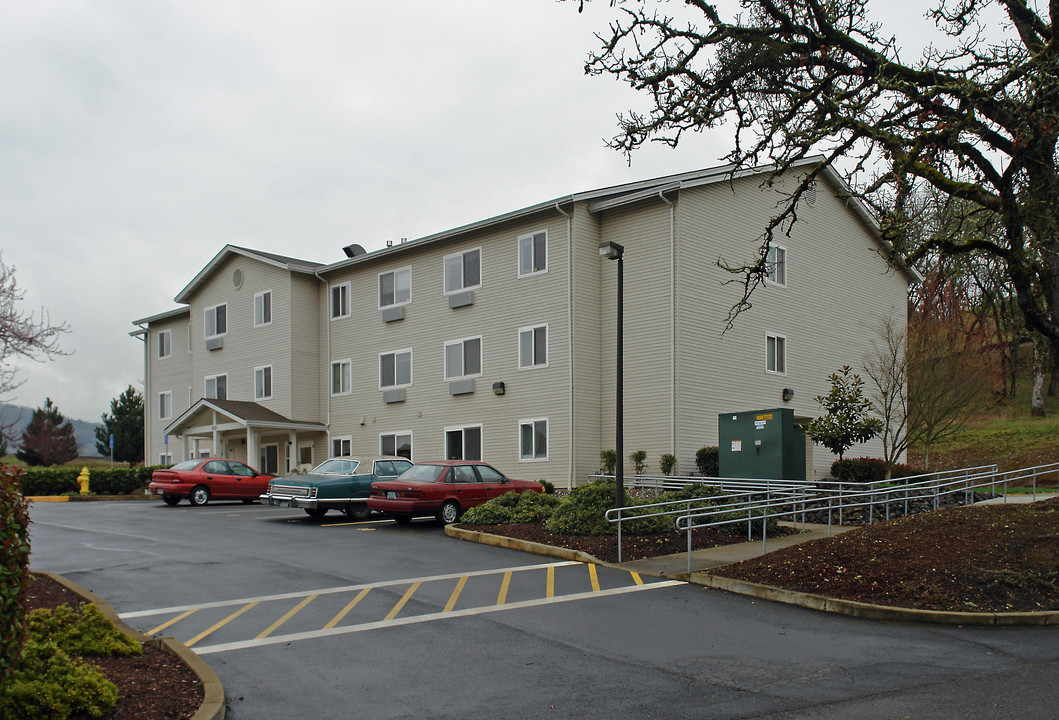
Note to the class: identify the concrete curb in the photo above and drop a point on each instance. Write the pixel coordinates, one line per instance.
(875, 612)
(212, 707)
(765, 592)
(522, 545)
(88, 498)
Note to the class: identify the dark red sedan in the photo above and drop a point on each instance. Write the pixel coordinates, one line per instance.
(443, 489)
(208, 478)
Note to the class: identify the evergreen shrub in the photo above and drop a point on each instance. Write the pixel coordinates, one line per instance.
(14, 569)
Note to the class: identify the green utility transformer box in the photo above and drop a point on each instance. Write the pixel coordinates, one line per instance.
(765, 444)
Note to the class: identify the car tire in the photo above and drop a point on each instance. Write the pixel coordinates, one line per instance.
(315, 513)
(358, 511)
(402, 519)
(199, 495)
(448, 513)
(171, 500)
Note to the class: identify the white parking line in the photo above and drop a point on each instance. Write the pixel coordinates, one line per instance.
(277, 639)
(345, 588)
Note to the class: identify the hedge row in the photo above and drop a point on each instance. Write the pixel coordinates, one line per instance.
(866, 470)
(101, 481)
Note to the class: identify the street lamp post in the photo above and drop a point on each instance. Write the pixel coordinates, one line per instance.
(614, 251)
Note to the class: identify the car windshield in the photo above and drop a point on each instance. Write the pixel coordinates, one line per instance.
(421, 472)
(337, 466)
(186, 465)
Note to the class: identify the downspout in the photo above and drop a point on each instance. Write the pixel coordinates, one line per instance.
(569, 341)
(146, 390)
(672, 326)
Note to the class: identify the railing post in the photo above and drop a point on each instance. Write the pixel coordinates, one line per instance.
(619, 535)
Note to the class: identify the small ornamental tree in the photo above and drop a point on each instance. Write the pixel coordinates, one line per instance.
(14, 570)
(48, 438)
(846, 421)
(125, 423)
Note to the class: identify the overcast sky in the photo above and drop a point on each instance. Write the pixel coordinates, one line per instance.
(137, 138)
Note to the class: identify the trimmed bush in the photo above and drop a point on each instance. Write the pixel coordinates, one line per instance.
(512, 507)
(14, 570)
(639, 461)
(83, 631)
(608, 461)
(102, 481)
(865, 470)
(667, 463)
(707, 460)
(49, 684)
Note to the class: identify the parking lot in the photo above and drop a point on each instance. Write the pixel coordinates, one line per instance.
(327, 618)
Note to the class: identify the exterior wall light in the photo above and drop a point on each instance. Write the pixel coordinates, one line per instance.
(498, 388)
(788, 394)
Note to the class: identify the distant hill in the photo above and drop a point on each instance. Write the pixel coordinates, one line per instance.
(84, 431)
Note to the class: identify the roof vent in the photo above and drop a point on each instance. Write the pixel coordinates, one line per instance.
(389, 243)
(354, 250)
(404, 240)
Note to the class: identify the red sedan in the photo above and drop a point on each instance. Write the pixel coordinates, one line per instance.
(444, 489)
(205, 478)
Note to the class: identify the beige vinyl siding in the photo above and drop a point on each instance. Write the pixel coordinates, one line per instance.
(587, 269)
(173, 375)
(502, 305)
(838, 291)
(304, 350)
(643, 229)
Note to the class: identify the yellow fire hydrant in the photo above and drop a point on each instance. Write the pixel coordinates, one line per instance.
(83, 480)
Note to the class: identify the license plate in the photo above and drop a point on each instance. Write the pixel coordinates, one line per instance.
(391, 495)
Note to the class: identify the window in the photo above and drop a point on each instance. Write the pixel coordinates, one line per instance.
(464, 443)
(463, 358)
(305, 454)
(165, 459)
(463, 270)
(776, 266)
(533, 439)
(341, 375)
(395, 288)
(395, 369)
(776, 354)
(263, 309)
(165, 405)
(263, 383)
(341, 447)
(165, 343)
(533, 347)
(340, 301)
(396, 444)
(533, 253)
(217, 387)
(216, 319)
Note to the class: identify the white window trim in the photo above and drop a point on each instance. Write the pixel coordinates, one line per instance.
(394, 272)
(445, 437)
(340, 439)
(775, 336)
(166, 344)
(396, 434)
(331, 301)
(460, 255)
(206, 380)
(168, 415)
(213, 309)
(518, 258)
(262, 295)
(411, 369)
(547, 350)
(165, 458)
(271, 380)
(770, 281)
(547, 439)
(445, 359)
(331, 378)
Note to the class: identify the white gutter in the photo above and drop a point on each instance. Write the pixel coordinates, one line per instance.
(672, 325)
(569, 341)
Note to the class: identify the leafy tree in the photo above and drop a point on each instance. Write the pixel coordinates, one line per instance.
(846, 421)
(48, 438)
(22, 335)
(125, 422)
(976, 120)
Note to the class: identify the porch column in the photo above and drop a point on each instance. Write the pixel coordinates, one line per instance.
(251, 449)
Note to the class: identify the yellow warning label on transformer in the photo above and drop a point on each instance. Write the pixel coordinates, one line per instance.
(764, 417)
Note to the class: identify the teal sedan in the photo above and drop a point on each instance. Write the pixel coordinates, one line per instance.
(341, 483)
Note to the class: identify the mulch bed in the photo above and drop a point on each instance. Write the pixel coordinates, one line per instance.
(152, 686)
(633, 547)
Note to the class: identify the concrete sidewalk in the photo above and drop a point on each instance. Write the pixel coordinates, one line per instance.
(670, 565)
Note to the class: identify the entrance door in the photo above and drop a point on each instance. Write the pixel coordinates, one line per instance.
(269, 464)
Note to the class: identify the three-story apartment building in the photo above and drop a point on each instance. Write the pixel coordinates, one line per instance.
(496, 340)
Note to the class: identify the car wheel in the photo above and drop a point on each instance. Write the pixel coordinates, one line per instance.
(448, 513)
(315, 513)
(200, 495)
(402, 519)
(358, 511)
(171, 499)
